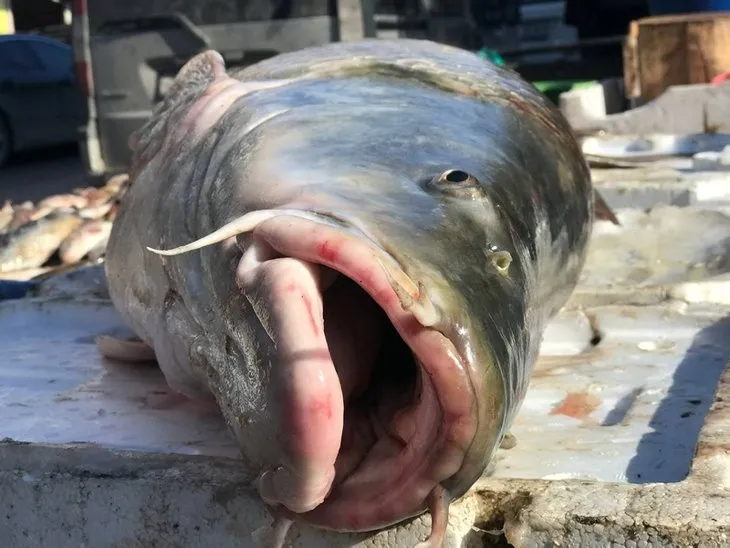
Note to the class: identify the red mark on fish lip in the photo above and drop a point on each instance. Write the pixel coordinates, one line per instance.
(577, 405)
(312, 320)
(291, 287)
(327, 252)
(365, 277)
(321, 407)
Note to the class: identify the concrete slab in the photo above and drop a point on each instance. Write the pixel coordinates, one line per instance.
(669, 182)
(673, 242)
(697, 108)
(57, 390)
(624, 437)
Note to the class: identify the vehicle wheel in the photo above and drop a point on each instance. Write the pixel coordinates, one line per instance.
(6, 141)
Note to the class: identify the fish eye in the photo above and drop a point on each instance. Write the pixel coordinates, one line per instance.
(456, 177)
(457, 183)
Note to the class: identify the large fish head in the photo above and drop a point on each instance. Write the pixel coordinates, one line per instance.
(390, 285)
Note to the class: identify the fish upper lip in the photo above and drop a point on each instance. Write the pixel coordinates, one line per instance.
(439, 453)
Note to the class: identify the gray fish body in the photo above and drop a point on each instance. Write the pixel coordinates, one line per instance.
(32, 244)
(433, 180)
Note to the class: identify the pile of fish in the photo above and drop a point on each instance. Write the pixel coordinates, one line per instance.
(60, 231)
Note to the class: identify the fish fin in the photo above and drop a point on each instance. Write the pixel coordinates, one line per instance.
(190, 83)
(203, 80)
(439, 501)
(131, 350)
(603, 210)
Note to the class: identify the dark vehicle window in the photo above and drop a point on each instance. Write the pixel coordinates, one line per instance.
(19, 65)
(210, 12)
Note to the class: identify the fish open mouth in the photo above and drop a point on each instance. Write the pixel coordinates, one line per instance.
(380, 408)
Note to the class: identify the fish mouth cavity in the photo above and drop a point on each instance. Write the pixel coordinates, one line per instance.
(408, 402)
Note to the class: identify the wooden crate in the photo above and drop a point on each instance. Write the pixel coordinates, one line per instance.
(674, 50)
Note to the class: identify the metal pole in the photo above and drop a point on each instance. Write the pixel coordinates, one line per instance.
(7, 25)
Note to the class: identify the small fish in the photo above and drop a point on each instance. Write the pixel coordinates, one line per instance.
(22, 214)
(98, 211)
(63, 201)
(118, 184)
(112, 212)
(44, 211)
(96, 196)
(25, 274)
(32, 244)
(6, 215)
(97, 252)
(88, 237)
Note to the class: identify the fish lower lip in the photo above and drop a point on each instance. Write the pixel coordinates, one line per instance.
(406, 428)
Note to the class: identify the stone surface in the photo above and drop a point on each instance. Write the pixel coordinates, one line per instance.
(679, 110)
(711, 160)
(623, 440)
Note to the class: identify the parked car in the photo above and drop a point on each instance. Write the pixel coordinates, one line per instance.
(40, 102)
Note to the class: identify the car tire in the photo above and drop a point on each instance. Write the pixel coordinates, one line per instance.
(6, 140)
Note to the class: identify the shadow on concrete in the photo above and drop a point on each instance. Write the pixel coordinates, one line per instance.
(665, 454)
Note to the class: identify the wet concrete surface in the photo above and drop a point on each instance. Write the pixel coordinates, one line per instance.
(33, 176)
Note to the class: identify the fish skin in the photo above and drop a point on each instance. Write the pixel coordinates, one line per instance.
(32, 244)
(25, 274)
(6, 215)
(94, 196)
(362, 133)
(22, 214)
(96, 211)
(83, 240)
(63, 201)
(43, 211)
(117, 184)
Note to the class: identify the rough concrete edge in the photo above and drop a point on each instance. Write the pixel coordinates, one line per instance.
(693, 512)
(570, 513)
(89, 460)
(711, 463)
(530, 512)
(85, 492)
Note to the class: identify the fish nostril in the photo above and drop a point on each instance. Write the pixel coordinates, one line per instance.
(501, 261)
